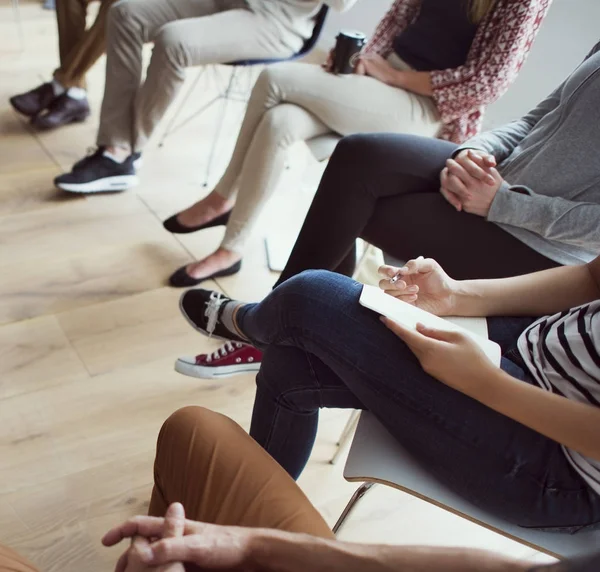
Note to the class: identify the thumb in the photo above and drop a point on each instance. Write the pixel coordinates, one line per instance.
(449, 336)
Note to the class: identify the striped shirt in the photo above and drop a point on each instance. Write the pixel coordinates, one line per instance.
(562, 352)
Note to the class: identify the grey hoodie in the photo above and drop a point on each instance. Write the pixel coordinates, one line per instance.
(550, 160)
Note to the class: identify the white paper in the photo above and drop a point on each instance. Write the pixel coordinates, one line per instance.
(409, 316)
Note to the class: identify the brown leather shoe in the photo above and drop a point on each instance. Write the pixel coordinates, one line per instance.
(32, 102)
(61, 111)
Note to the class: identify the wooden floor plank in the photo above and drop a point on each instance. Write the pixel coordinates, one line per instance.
(132, 331)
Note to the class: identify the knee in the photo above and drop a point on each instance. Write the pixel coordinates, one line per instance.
(121, 13)
(185, 423)
(277, 126)
(274, 76)
(358, 149)
(302, 290)
(170, 47)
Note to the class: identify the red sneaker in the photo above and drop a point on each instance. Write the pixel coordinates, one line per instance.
(230, 359)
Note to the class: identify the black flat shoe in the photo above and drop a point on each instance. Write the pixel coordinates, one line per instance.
(174, 226)
(181, 279)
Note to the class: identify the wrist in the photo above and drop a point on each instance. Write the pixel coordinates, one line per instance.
(467, 300)
(283, 551)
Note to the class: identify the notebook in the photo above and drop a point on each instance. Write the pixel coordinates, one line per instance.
(409, 316)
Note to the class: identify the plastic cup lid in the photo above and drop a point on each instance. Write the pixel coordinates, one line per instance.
(354, 34)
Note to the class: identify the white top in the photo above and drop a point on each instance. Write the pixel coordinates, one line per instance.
(562, 352)
(296, 16)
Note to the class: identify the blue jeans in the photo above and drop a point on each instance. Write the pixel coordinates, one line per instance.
(323, 349)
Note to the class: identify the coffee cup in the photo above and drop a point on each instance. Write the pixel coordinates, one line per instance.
(349, 44)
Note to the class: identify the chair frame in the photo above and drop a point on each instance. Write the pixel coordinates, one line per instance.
(228, 94)
(537, 540)
(19, 21)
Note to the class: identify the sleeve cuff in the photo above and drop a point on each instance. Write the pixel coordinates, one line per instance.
(505, 205)
(467, 146)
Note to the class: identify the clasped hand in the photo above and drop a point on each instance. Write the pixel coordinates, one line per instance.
(451, 357)
(372, 65)
(470, 181)
(164, 544)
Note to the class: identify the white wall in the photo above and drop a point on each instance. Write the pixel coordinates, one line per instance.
(570, 30)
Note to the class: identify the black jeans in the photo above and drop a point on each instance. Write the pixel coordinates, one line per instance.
(323, 349)
(385, 188)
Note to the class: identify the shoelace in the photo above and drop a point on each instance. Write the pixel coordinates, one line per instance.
(223, 351)
(215, 302)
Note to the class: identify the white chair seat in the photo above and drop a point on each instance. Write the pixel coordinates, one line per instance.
(375, 456)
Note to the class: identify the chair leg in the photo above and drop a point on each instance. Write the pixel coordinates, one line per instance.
(219, 128)
(359, 494)
(17, 11)
(345, 436)
(171, 127)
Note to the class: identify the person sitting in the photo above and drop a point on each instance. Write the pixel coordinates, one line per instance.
(520, 440)
(244, 512)
(430, 69)
(535, 180)
(185, 33)
(64, 99)
(543, 200)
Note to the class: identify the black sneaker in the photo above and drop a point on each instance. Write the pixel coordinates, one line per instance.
(33, 102)
(99, 174)
(203, 309)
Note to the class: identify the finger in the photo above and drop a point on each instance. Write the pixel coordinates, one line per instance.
(472, 166)
(458, 187)
(389, 271)
(122, 562)
(397, 286)
(479, 156)
(403, 297)
(180, 549)
(412, 338)
(174, 521)
(450, 336)
(174, 527)
(139, 553)
(452, 199)
(488, 160)
(444, 176)
(419, 265)
(455, 169)
(147, 526)
(447, 193)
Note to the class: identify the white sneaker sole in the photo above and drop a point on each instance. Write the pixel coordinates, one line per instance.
(217, 372)
(106, 185)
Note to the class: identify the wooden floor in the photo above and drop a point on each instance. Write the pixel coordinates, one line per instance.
(89, 332)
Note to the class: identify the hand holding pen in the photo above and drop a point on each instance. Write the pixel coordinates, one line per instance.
(421, 282)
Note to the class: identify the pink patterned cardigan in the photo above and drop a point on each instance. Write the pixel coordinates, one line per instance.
(500, 47)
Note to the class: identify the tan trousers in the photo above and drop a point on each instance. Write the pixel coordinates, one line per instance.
(221, 475)
(79, 48)
(296, 102)
(185, 33)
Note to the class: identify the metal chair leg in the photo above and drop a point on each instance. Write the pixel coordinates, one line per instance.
(359, 493)
(171, 127)
(17, 11)
(345, 436)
